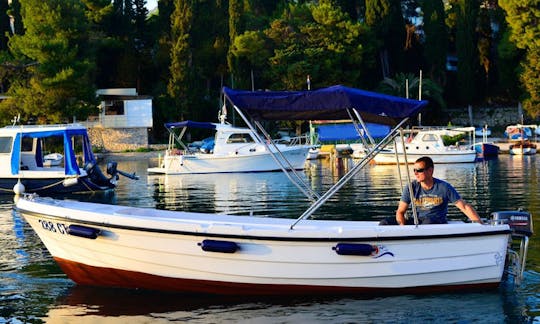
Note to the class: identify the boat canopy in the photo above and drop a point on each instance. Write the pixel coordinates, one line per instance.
(70, 159)
(330, 103)
(191, 124)
(348, 132)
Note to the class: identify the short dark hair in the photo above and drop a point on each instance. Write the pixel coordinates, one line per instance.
(428, 162)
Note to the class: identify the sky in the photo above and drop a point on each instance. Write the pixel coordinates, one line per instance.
(151, 4)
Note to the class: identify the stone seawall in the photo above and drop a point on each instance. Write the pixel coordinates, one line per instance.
(495, 118)
(118, 139)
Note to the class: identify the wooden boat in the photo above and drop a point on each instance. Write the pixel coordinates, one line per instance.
(231, 149)
(522, 148)
(122, 246)
(27, 170)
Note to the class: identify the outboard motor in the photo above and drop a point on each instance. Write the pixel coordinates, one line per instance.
(521, 225)
(112, 170)
(97, 177)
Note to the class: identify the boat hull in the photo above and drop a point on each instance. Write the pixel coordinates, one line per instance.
(522, 149)
(165, 250)
(48, 186)
(486, 149)
(211, 163)
(389, 157)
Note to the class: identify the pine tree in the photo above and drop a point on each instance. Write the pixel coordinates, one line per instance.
(55, 45)
(5, 27)
(435, 39)
(467, 52)
(181, 56)
(386, 20)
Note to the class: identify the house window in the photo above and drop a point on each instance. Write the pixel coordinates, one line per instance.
(115, 107)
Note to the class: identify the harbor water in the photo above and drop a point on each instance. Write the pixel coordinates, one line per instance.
(33, 289)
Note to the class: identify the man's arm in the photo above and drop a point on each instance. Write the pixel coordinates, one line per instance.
(468, 210)
(400, 212)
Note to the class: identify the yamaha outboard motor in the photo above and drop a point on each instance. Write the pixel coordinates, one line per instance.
(112, 170)
(97, 177)
(521, 225)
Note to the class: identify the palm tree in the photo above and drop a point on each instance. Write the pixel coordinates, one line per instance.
(407, 84)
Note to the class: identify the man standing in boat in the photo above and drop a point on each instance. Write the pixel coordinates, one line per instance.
(431, 198)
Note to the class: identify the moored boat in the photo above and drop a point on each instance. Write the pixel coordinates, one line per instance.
(232, 149)
(522, 148)
(432, 143)
(26, 169)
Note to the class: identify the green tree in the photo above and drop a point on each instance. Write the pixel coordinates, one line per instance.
(318, 40)
(5, 28)
(386, 20)
(55, 46)
(467, 52)
(431, 91)
(181, 56)
(15, 13)
(522, 17)
(435, 39)
(236, 27)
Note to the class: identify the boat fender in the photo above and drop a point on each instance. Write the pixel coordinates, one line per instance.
(355, 249)
(520, 222)
(83, 231)
(218, 246)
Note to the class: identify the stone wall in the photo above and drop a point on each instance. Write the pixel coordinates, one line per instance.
(118, 139)
(499, 117)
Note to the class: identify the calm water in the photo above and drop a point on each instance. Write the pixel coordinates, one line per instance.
(33, 289)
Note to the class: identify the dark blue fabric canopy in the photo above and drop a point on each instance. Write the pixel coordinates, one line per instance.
(328, 103)
(347, 131)
(190, 123)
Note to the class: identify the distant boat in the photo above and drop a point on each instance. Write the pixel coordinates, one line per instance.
(232, 149)
(430, 142)
(523, 148)
(53, 159)
(519, 132)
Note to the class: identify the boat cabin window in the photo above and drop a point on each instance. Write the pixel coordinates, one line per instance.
(240, 138)
(430, 138)
(5, 144)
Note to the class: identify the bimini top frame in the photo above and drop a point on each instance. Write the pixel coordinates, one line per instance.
(332, 103)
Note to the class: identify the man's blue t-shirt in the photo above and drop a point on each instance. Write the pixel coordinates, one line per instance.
(432, 203)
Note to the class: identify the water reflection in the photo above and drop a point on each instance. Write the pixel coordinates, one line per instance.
(33, 288)
(92, 304)
(268, 193)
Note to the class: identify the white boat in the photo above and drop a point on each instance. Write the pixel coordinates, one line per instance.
(232, 149)
(26, 169)
(122, 246)
(522, 148)
(53, 159)
(430, 142)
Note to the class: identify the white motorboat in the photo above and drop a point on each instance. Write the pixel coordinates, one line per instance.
(53, 159)
(26, 169)
(430, 142)
(232, 149)
(122, 246)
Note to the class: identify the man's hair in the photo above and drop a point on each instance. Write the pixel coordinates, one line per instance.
(428, 162)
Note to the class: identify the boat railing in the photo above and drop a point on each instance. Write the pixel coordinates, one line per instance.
(294, 141)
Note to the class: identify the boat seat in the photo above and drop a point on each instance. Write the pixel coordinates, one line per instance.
(28, 161)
